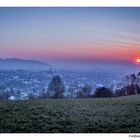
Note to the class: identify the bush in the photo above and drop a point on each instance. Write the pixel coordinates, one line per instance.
(103, 92)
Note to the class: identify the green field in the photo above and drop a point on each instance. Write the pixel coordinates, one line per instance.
(96, 115)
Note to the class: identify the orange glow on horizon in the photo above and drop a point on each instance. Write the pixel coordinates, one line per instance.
(138, 60)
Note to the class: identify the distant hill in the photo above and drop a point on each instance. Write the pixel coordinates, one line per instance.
(14, 64)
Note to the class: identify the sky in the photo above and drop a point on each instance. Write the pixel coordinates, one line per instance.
(70, 34)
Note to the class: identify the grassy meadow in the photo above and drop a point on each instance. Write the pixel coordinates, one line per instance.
(94, 115)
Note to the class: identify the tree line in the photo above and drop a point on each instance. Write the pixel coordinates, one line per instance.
(56, 90)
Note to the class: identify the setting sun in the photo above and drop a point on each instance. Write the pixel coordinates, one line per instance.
(138, 60)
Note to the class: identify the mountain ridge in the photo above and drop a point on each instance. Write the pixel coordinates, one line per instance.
(17, 63)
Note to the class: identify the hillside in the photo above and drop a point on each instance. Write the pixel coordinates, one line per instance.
(98, 115)
(15, 63)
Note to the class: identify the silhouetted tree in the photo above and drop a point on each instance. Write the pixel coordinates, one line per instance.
(121, 92)
(103, 92)
(43, 94)
(31, 96)
(84, 92)
(18, 94)
(132, 89)
(4, 94)
(128, 90)
(133, 79)
(56, 88)
(12, 92)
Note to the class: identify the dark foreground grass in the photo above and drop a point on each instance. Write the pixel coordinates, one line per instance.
(105, 115)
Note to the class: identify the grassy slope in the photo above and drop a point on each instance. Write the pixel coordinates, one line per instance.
(120, 114)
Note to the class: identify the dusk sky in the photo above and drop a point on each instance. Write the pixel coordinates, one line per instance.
(84, 34)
